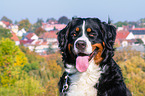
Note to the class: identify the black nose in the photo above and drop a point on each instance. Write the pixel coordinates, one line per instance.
(81, 45)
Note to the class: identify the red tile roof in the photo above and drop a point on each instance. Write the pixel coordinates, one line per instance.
(6, 23)
(48, 35)
(122, 34)
(44, 43)
(30, 35)
(14, 37)
(57, 26)
(26, 41)
(139, 29)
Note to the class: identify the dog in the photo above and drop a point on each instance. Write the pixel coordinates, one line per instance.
(86, 45)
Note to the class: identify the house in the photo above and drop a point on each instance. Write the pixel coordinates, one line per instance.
(49, 36)
(124, 38)
(21, 32)
(2, 24)
(31, 36)
(139, 33)
(14, 28)
(125, 28)
(24, 42)
(41, 45)
(49, 27)
(15, 38)
(6, 23)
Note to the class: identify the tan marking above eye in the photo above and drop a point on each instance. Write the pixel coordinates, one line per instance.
(77, 29)
(89, 30)
(91, 35)
(74, 34)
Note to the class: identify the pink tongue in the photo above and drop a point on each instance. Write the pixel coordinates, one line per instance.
(82, 63)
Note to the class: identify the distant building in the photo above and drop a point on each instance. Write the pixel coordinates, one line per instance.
(6, 23)
(21, 32)
(14, 28)
(15, 38)
(124, 38)
(125, 28)
(49, 27)
(3, 24)
(139, 33)
(31, 36)
(42, 43)
(51, 37)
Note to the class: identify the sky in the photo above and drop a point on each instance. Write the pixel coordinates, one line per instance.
(117, 10)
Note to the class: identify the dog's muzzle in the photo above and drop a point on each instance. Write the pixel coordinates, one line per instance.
(81, 45)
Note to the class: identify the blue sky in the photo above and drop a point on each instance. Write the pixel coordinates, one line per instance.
(118, 10)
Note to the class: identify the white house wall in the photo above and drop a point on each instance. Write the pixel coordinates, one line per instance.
(34, 37)
(130, 36)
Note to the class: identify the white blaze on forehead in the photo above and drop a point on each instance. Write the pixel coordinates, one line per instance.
(83, 27)
(88, 49)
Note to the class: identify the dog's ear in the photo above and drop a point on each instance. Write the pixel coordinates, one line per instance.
(63, 38)
(109, 35)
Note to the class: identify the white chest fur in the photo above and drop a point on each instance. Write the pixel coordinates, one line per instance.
(82, 84)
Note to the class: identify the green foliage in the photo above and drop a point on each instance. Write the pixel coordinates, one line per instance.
(51, 89)
(120, 23)
(53, 19)
(139, 41)
(126, 53)
(5, 33)
(34, 60)
(24, 24)
(31, 87)
(63, 20)
(50, 50)
(25, 86)
(142, 22)
(37, 24)
(12, 59)
(39, 31)
(33, 66)
(133, 69)
(4, 18)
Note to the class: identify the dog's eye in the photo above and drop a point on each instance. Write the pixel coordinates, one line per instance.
(89, 30)
(77, 29)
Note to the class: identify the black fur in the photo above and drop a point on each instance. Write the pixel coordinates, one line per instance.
(111, 82)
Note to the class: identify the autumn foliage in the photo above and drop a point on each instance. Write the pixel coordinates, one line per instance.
(133, 68)
(25, 73)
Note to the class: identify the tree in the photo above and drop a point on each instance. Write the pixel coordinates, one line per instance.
(134, 73)
(37, 24)
(142, 20)
(4, 18)
(39, 31)
(53, 19)
(63, 20)
(5, 33)
(50, 50)
(24, 24)
(139, 41)
(120, 23)
(133, 69)
(16, 22)
(12, 59)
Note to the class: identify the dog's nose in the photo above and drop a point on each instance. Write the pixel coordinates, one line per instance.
(81, 45)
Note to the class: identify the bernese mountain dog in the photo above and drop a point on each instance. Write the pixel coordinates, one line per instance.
(86, 45)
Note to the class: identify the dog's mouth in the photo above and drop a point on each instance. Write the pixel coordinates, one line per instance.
(82, 60)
